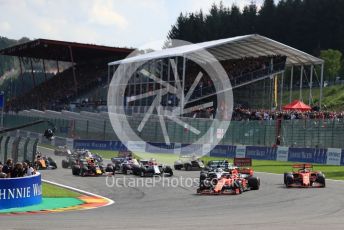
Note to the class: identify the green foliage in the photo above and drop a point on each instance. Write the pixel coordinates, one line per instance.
(333, 97)
(333, 63)
(308, 25)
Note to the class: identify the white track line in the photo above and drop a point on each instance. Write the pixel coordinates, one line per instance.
(110, 202)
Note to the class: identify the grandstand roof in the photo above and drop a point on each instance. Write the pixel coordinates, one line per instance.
(59, 50)
(252, 45)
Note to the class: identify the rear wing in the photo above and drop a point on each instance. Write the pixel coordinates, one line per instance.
(242, 161)
(303, 166)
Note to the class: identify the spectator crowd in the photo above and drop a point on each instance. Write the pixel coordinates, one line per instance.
(14, 170)
(240, 113)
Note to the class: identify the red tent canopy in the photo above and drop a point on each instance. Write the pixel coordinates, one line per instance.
(297, 105)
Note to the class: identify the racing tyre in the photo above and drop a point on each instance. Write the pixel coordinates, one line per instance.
(254, 183)
(64, 164)
(83, 172)
(285, 177)
(142, 173)
(76, 170)
(321, 179)
(289, 180)
(177, 167)
(187, 167)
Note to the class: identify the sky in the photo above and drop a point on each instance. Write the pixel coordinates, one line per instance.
(120, 23)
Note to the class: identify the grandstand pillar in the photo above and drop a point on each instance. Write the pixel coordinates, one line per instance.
(21, 73)
(301, 75)
(161, 74)
(321, 84)
(73, 68)
(183, 87)
(291, 83)
(45, 73)
(108, 77)
(32, 73)
(281, 93)
(310, 85)
(57, 66)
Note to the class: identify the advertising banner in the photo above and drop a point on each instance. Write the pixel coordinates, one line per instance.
(261, 153)
(159, 148)
(191, 149)
(240, 151)
(92, 144)
(282, 153)
(139, 146)
(20, 192)
(333, 156)
(228, 151)
(311, 155)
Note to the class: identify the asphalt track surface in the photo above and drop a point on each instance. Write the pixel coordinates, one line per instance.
(163, 207)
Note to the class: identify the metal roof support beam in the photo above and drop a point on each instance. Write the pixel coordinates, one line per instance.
(321, 85)
(45, 73)
(281, 93)
(32, 74)
(183, 87)
(21, 73)
(57, 65)
(310, 85)
(301, 75)
(291, 83)
(108, 76)
(73, 68)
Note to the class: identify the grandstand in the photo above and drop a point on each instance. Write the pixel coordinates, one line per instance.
(88, 70)
(250, 62)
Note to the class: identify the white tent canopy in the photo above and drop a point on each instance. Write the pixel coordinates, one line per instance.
(252, 45)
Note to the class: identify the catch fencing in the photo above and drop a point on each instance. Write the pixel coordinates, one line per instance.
(311, 133)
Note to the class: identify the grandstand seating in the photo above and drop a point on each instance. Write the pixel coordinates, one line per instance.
(59, 92)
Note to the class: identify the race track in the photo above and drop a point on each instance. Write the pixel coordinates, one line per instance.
(162, 207)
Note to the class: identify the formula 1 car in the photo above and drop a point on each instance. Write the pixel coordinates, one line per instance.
(304, 177)
(233, 181)
(87, 167)
(71, 159)
(189, 163)
(117, 162)
(62, 151)
(151, 168)
(125, 165)
(44, 162)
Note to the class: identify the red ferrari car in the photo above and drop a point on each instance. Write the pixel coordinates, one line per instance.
(303, 176)
(233, 181)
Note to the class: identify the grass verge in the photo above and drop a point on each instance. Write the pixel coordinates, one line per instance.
(331, 172)
(53, 191)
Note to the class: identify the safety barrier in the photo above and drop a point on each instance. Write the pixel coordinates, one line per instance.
(330, 156)
(19, 147)
(323, 133)
(20, 192)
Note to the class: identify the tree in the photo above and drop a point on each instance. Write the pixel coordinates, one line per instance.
(332, 60)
